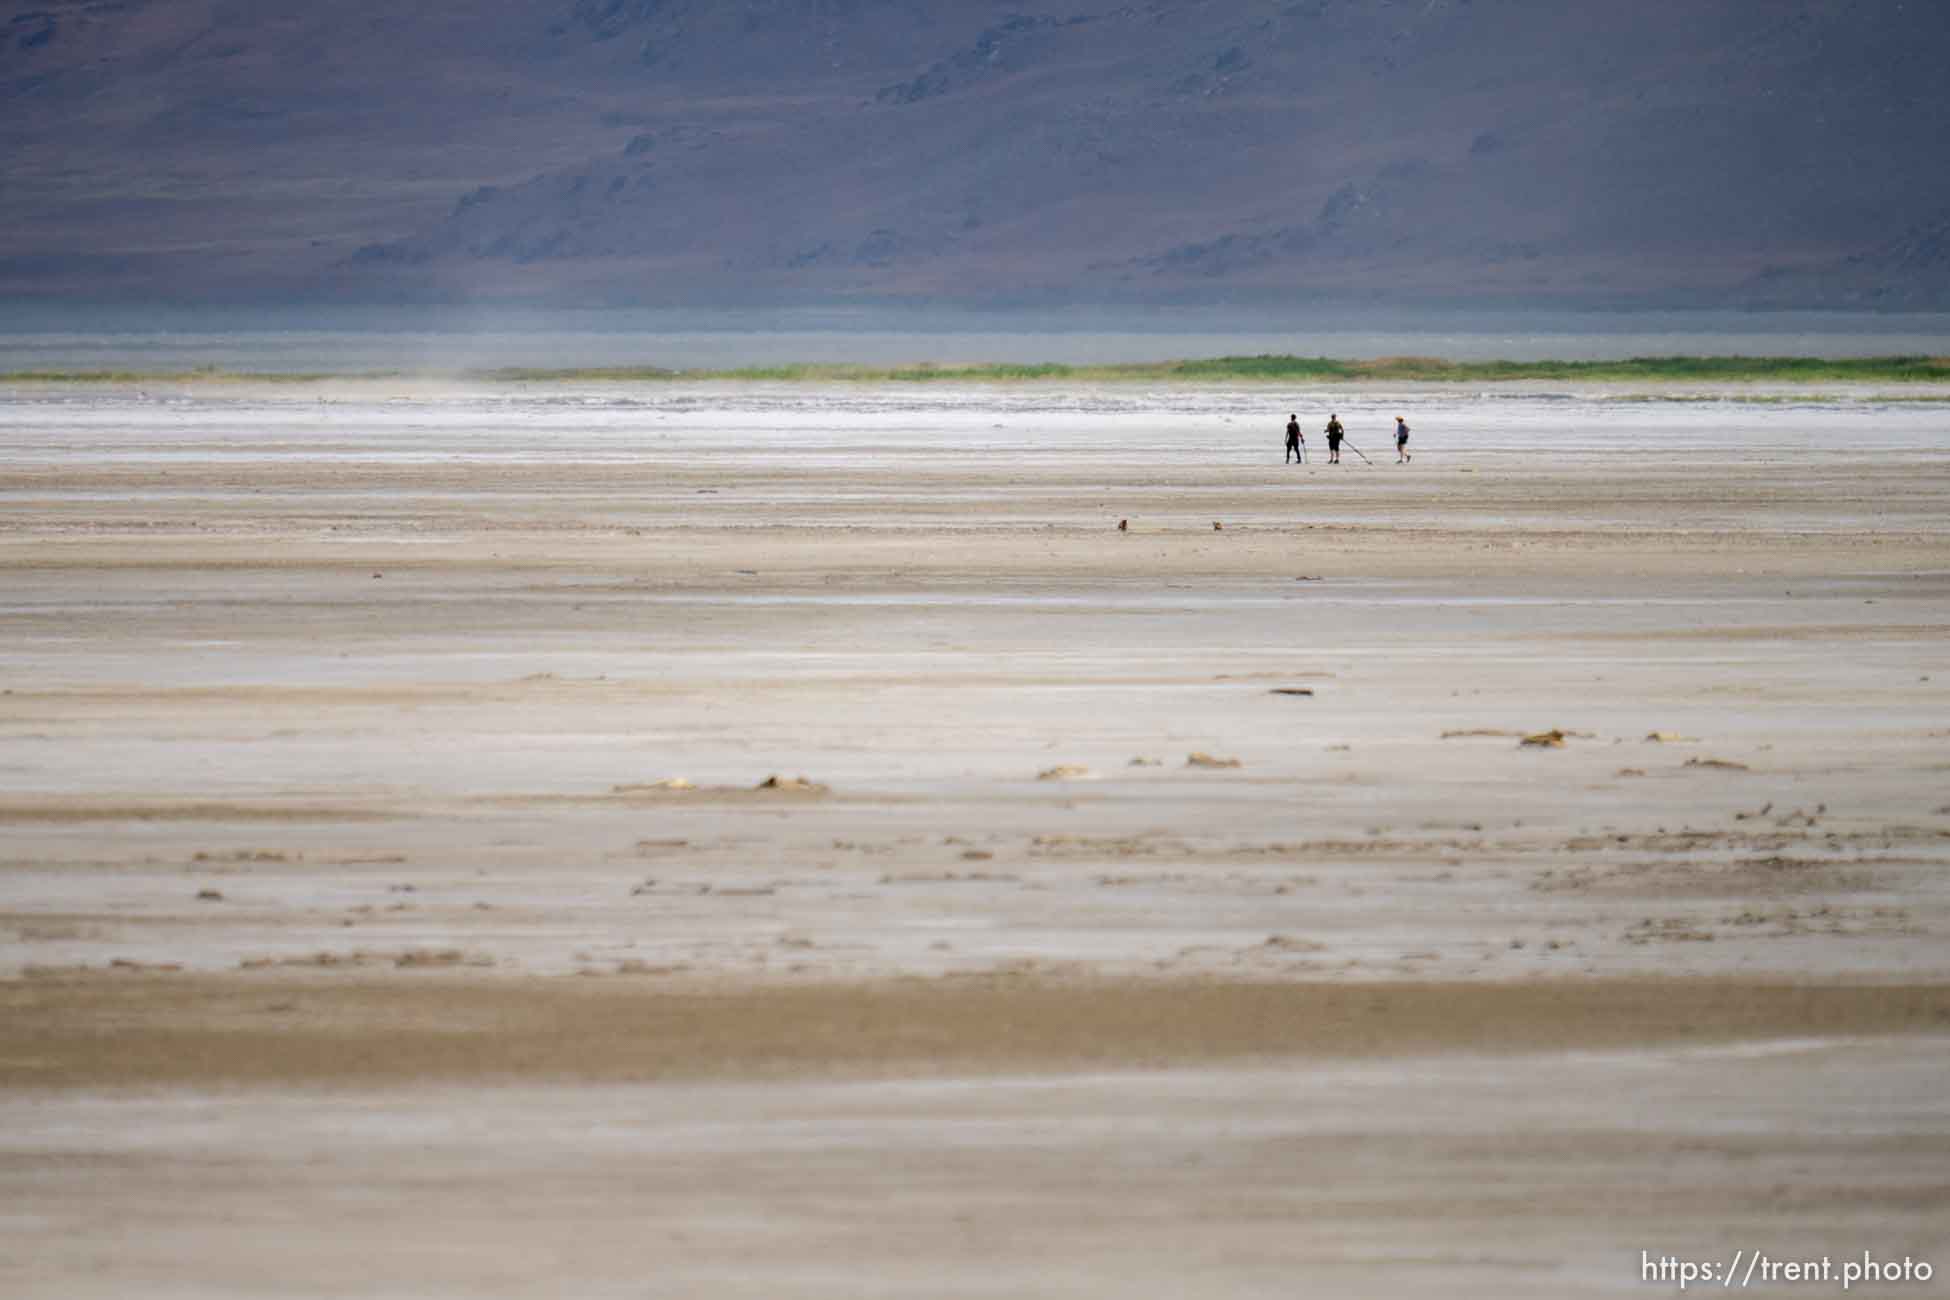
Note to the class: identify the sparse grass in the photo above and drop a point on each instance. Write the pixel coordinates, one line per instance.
(1265, 368)
(1681, 368)
(808, 372)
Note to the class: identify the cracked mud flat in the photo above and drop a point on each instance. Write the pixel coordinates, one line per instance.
(393, 899)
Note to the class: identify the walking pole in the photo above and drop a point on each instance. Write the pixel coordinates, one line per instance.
(1357, 451)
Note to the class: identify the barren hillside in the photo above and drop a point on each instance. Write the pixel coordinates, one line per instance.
(1672, 152)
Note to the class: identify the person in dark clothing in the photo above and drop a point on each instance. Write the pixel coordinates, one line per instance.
(1296, 445)
(1334, 435)
(1401, 442)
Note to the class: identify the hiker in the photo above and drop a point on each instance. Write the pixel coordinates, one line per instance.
(1296, 445)
(1401, 442)
(1334, 433)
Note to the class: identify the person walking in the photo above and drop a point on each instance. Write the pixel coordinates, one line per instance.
(1401, 442)
(1334, 435)
(1296, 444)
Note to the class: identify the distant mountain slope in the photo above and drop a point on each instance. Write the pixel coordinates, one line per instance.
(1666, 152)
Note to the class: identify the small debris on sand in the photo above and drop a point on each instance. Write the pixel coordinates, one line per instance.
(1667, 737)
(209, 895)
(1630, 771)
(419, 958)
(790, 785)
(1721, 763)
(1479, 731)
(636, 966)
(1672, 929)
(1123, 525)
(668, 783)
(945, 877)
(1291, 690)
(1552, 739)
(442, 957)
(1064, 772)
(322, 959)
(1202, 759)
(1218, 527)
(1142, 761)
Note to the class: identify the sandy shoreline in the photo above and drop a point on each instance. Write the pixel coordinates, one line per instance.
(382, 778)
(135, 1030)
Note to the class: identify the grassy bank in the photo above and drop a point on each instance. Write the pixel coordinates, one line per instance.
(1290, 369)
(1281, 369)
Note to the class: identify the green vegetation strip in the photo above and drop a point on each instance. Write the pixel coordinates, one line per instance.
(1284, 369)
(1316, 369)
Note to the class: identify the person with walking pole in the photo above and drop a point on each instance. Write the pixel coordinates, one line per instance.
(1296, 443)
(1334, 435)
